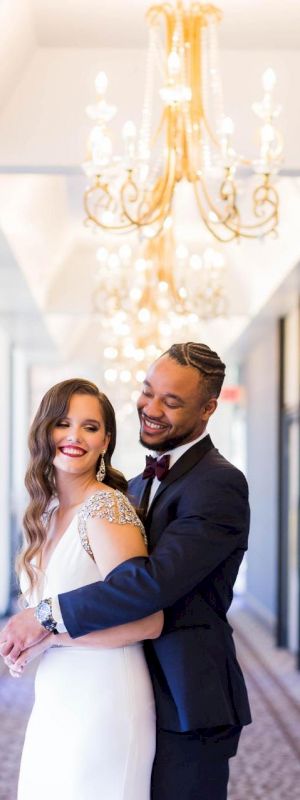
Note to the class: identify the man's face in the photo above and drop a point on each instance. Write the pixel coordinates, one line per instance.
(172, 407)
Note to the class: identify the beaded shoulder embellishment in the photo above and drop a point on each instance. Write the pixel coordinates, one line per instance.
(111, 505)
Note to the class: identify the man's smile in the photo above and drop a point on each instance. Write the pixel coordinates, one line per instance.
(151, 426)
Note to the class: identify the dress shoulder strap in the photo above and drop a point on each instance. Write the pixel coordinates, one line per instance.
(111, 505)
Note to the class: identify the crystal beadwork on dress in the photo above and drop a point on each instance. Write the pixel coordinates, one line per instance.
(111, 505)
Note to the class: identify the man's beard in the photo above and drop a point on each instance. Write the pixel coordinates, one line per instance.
(168, 444)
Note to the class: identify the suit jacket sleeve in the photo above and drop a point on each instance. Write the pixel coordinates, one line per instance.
(211, 525)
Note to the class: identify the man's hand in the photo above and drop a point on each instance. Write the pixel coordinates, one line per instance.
(21, 631)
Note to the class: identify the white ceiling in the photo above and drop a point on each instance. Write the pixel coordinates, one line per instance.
(121, 23)
(52, 50)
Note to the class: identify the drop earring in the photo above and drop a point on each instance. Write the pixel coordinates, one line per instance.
(100, 475)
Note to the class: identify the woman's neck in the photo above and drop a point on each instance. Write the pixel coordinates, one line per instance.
(72, 490)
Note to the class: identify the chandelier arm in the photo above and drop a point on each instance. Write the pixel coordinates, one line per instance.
(211, 225)
(222, 218)
(91, 216)
(273, 216)
(227, 219)
(246, 231)
(167, 188)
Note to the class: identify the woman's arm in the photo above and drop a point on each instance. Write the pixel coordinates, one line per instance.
(120, 636)
(111, 544)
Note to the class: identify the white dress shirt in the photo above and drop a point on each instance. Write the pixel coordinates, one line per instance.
(174, 456)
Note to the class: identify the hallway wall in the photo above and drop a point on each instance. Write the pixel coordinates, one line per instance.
(261, 378)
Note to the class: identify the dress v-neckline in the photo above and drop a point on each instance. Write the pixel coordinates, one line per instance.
(45, 568)
(97, 491)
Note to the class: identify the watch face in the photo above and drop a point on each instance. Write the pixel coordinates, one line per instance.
(44, 611)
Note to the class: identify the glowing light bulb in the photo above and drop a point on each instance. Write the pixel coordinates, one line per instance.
(269, 79)
(128, 130)
(168, 223)
(173, 63)
(227, 126)
(144, 315)
(102, 254)
(110, 375)
(182, 251)
(135, 293)
(140, 375)
(101, 83)
(267, 133)
(182, 292)
(140, 264)
(110, 353)
(163, 287)
(125, 375)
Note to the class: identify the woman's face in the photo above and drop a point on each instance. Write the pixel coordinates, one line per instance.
(80, 436)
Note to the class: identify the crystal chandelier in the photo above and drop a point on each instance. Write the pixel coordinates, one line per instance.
(145, 297)
(192, 141)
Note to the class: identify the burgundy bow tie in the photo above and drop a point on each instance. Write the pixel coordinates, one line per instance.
(157, 467)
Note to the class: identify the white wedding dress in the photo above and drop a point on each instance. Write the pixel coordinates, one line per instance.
(91, 734)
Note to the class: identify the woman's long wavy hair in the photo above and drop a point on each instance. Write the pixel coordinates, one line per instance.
(39, 479)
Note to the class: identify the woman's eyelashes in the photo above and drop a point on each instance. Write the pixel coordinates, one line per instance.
(88, 426)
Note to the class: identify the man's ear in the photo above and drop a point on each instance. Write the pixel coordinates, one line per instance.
(209, 408)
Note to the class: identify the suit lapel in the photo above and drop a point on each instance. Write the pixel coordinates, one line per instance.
(137, 490)
(139, 487)
(188, 460)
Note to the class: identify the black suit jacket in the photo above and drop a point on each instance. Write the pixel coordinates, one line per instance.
(197, 529)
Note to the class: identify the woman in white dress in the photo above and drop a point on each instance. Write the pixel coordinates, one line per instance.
(91, 734)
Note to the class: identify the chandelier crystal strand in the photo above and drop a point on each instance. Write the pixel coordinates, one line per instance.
(192, 142)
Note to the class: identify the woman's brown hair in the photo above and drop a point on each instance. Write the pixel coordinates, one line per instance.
(39, 479)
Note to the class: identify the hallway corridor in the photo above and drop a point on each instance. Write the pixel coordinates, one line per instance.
(268, 762)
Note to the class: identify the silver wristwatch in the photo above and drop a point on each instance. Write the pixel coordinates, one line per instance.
(43, 614)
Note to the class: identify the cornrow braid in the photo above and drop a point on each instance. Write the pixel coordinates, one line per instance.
(202, 358)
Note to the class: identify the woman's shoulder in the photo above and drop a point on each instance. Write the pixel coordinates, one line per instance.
(110, 505)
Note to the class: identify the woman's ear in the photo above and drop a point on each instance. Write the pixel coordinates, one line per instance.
(107, 440)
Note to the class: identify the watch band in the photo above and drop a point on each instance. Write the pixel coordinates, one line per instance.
(43, 614)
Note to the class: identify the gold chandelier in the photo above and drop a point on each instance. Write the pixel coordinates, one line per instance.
(191, 142)
(145, 296)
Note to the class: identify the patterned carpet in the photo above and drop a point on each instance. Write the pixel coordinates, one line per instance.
(268, 762)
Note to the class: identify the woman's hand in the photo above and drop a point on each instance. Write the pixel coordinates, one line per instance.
(20, 632)
(28, 655)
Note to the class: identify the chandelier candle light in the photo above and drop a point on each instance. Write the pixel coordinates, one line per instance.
(192, 142)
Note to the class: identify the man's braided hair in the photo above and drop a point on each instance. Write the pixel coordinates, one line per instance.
(205, 360)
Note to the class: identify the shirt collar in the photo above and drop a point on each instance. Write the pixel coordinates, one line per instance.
(178, 451)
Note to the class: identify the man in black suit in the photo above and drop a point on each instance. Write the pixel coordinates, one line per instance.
(197, 520)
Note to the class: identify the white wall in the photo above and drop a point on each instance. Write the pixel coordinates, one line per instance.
(261, 375)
